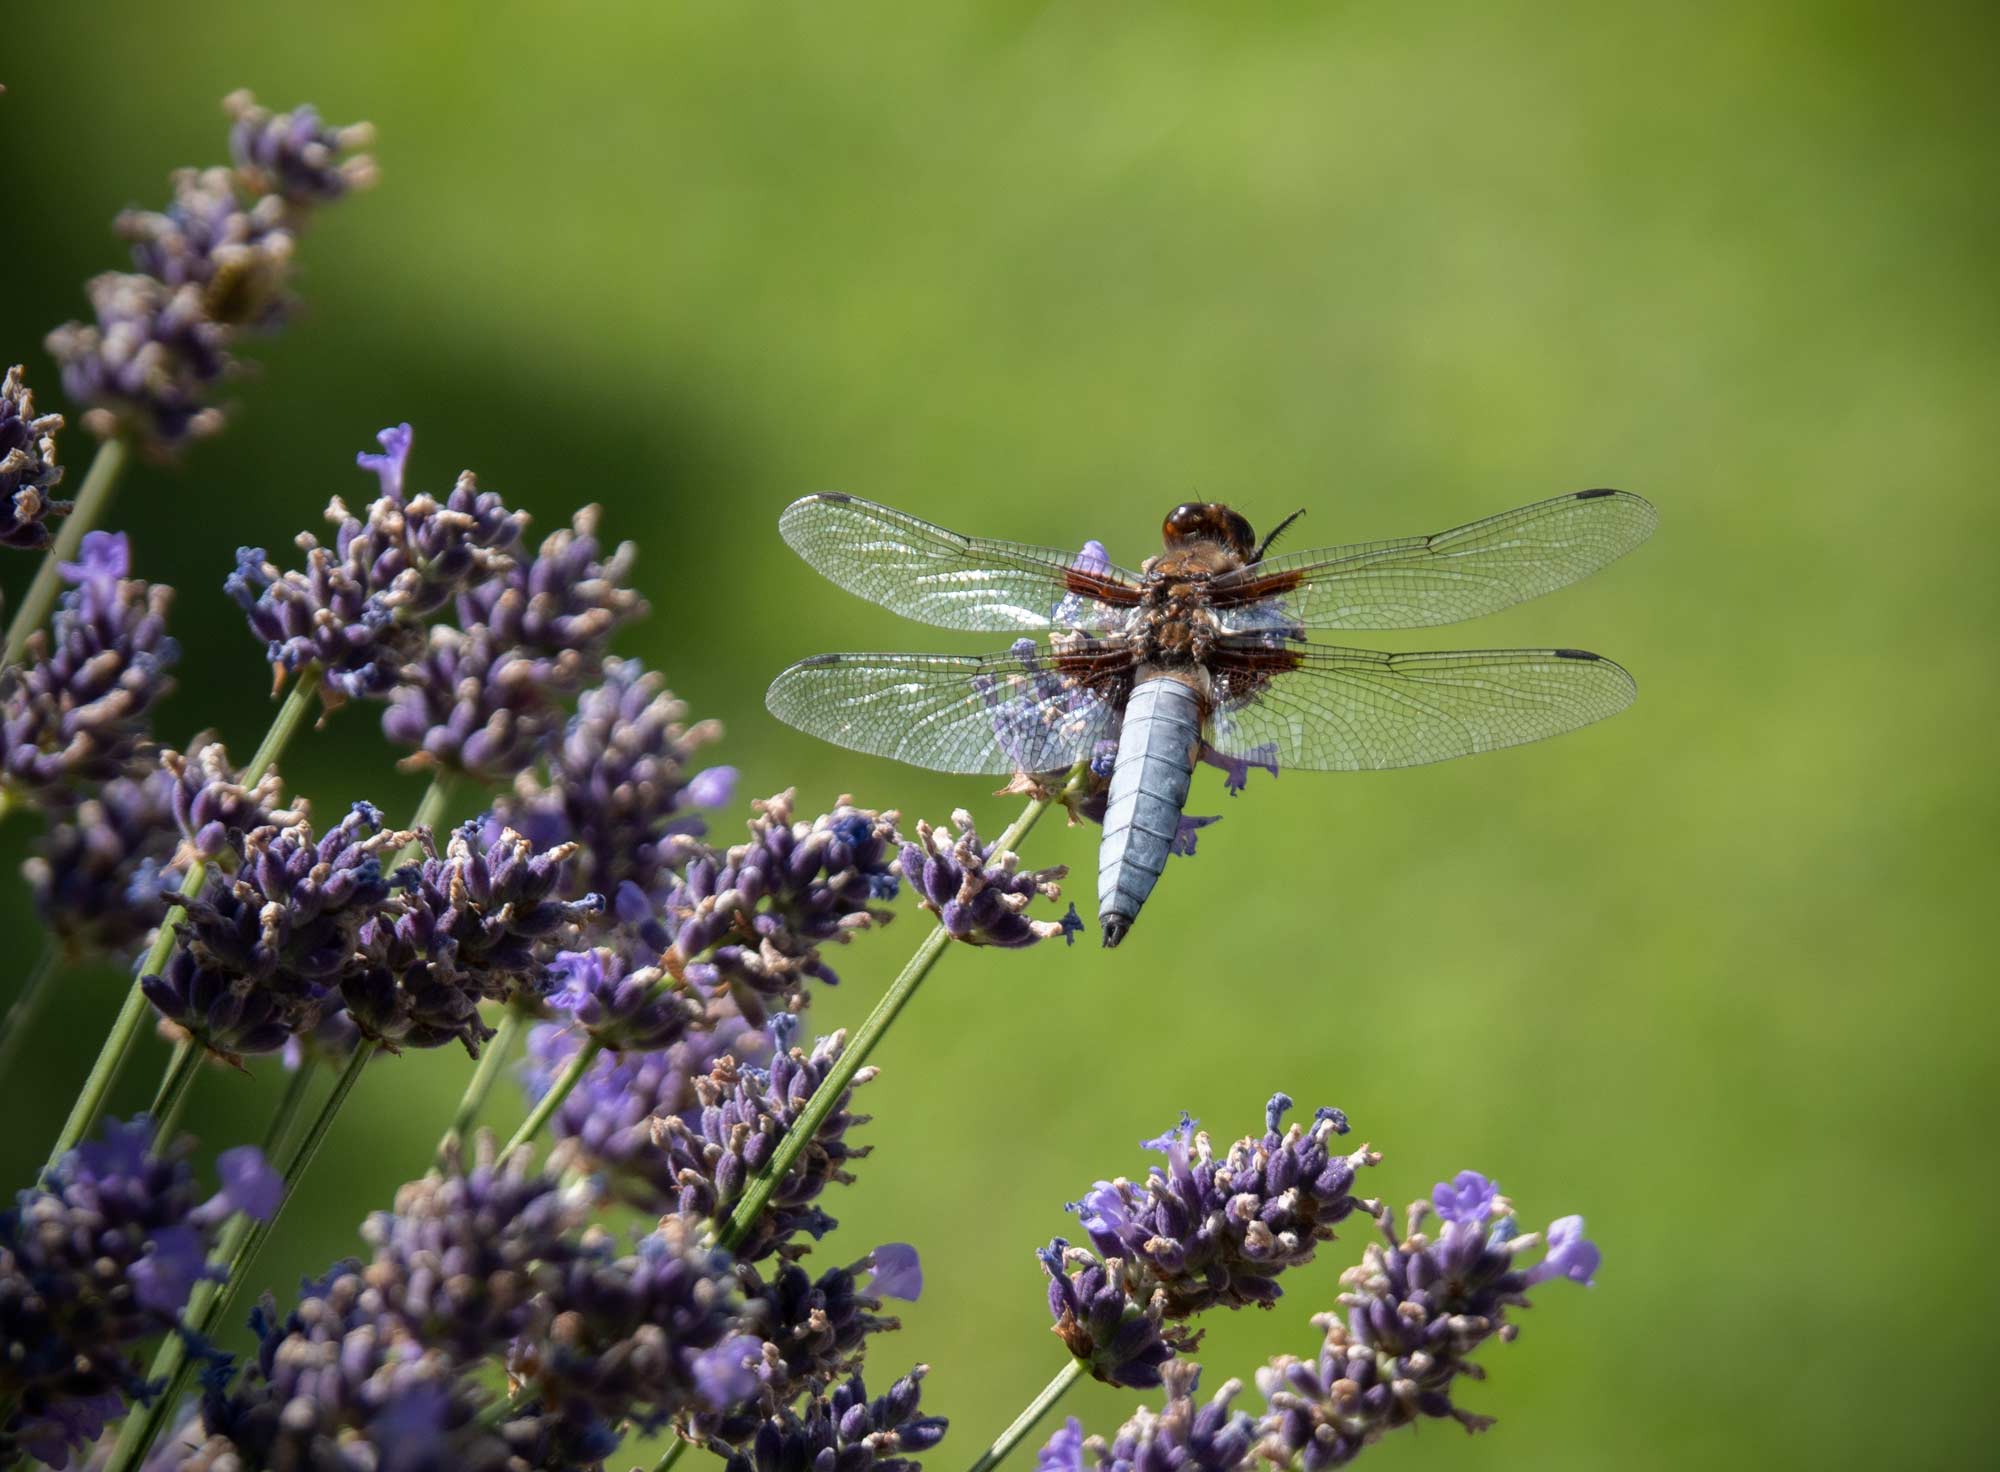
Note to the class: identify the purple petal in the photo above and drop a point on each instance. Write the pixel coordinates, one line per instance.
(249, 1183)
(712, 788)
(898, 1272)
(1467, 1198)
(165, 1276)
(389, 465)
(726, 1376)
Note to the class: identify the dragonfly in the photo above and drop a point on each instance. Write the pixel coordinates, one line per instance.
(1202, 654)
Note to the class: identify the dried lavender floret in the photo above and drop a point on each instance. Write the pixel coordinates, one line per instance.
(1186, 1435)
(295, 155)
(1110, 1315)
(28, 469)
(100, 870)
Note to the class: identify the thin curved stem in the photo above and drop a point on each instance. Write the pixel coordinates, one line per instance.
(241, 1237)
(559, 1090)
(21, 1015)
(125, 1028)
(90, 504)
(492, 1058)
(827, 1096)
(1037, 1408)
(672, 1454)
(171, 1096)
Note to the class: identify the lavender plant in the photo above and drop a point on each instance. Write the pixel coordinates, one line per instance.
(660, 982)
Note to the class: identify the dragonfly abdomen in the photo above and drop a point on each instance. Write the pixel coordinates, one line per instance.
(1149, 787)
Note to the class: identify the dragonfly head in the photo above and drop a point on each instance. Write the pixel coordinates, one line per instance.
(1208, 521)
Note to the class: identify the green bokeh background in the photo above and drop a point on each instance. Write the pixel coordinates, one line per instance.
(1709, 974)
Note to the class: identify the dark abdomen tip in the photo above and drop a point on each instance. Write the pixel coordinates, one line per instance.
(1114, 928)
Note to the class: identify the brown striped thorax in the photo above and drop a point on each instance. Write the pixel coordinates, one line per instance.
(1201, 655)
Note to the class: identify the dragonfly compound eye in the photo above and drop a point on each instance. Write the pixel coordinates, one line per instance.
(1208, 521)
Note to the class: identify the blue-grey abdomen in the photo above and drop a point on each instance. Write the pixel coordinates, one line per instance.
(1149, 787)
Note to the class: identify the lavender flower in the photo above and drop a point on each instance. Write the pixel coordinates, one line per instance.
(266, 950)
(754, 920)
(214, 809)
(469, 706)
(643, 1337)
(356, 610)
(99, 872)
(619, 1004)
(469, 1258)
(213, 265)
(608, 1117)
(1214, 1231)
(981, 896)
(1417, 1311)
(28, 469)
(341, 1372)
(294, 155)
(94, 1261)
(1110, 1316)
(489, 909)
(744, 1113)
(844, 1430)
(562, 605)
(807, 1333)
(76, 711)
(619, 783)
(1186, 1436)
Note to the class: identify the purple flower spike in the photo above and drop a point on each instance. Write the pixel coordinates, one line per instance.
(213, 266)
(95, 1262)
(77, 710)
(28, 469)
(845, 1430)
(1467, 1199)
(979, 894)
(1571, 1254)
(1206, 1230)
(898, 1271)
(1186, 1435)
(1109, 1315)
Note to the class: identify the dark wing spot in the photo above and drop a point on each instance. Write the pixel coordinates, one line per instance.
(841, 498)
(1576, 654)
(816, 659)
(1580, 495)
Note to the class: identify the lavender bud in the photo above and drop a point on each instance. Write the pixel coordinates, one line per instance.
(845, 1430)
(28, 469)
(744, 1113)
(100, 871)
(77, 709)
(981, 896)
(215, 264)
(94, 1262)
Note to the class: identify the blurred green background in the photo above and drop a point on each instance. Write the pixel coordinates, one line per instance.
(1708, 974)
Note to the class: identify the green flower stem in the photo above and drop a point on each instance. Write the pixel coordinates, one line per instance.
(90, 504)
(672, 1454)
(125, 1029)
(1039, 1407)
(34, 992)
(492, 1058)
(559, 1090)
(758, 1194)
(241, 1237)
(171, 1096)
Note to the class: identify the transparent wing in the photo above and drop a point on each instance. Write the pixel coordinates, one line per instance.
(1028, 710)
(1421, 581)
(939, 577)
(1323, 709)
